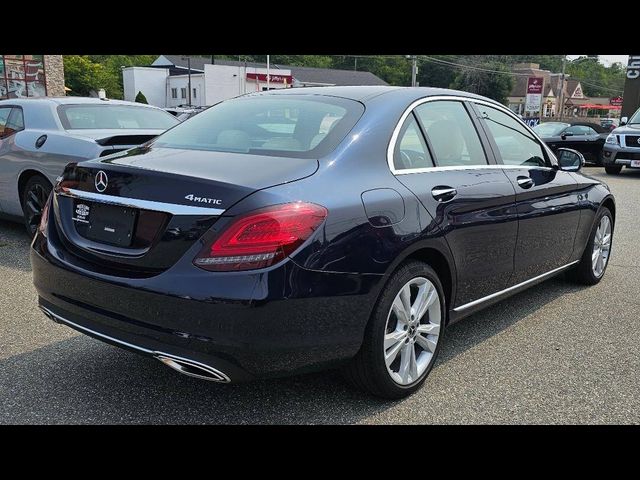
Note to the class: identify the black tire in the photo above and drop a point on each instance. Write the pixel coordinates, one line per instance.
(368, 370)
(583, 273)
(34, 196)
(613, 169)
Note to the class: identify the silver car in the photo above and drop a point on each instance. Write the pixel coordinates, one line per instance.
(39, 136)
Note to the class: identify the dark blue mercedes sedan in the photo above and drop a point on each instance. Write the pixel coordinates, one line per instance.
(299, 229)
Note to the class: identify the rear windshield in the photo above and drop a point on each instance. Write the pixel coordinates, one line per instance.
(279, 125)
(114, 117)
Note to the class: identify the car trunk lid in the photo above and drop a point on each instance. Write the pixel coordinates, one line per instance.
(139, 211)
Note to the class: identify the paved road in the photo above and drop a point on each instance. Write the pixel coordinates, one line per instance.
(555, 354)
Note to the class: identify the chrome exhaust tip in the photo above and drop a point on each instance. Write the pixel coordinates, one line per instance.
(193, 368)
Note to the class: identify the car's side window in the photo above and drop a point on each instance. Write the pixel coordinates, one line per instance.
(451, 133)
(4, 116)
(411, 150)
(15, 122)
(517, 146)
(580, 130)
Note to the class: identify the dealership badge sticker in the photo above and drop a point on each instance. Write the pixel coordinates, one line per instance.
(82, 212)
(101, 181)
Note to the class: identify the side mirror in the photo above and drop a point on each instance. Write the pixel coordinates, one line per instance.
(623, 121)
(565, 135)
(569, 160)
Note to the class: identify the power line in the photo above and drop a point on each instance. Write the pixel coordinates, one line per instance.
(462, 66)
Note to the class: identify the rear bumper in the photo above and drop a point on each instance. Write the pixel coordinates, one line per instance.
(617, 155)
(284, 320)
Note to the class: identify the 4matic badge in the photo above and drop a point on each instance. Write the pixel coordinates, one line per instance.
(211, 201)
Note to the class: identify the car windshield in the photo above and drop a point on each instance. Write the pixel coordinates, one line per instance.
(549, 129)
(301, 126)
(114, 117)
(635, 119)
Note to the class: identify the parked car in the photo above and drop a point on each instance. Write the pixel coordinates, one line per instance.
(232, 247)
(587, 138)
(609, 123)
(39, 136)
(622, 146)
(190, 113)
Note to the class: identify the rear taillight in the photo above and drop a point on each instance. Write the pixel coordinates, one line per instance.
(44, 219)
(262, 237)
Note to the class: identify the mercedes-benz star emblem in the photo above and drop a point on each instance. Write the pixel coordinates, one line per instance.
(101, 181)
(638, 140)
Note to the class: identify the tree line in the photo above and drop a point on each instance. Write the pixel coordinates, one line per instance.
(488, 75)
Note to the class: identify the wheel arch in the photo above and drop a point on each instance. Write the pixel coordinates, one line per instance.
(25, 176)
(438, 257)
(610, 203)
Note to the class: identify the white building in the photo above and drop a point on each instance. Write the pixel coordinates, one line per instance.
(166, 82)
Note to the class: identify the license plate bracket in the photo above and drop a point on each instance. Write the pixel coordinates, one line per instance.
(104, 223)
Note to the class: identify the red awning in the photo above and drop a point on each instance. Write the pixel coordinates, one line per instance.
(601, 107)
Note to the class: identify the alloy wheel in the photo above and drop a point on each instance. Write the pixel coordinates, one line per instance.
(36, 198)
(601, 247)
(412, 331)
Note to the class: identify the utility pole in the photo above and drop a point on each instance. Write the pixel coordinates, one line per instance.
(414, 70)
(564, 61)
(268, 83)
(355, 63)
(188, 59)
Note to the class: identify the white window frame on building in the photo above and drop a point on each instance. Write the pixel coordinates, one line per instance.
(194, 93)
(183, 92)
(174, 92)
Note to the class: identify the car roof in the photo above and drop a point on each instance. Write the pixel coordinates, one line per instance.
(365, 93)
(595, 126)
(70, 101)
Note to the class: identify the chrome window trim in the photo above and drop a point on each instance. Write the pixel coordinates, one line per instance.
(458, 98)
(172, 208)
(466, 306)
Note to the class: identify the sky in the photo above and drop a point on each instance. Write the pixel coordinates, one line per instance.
(607, 59)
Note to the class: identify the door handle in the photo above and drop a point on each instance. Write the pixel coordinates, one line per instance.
(525, 182)
(443, 194)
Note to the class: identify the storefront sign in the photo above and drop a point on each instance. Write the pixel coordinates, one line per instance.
(616, 101)
(531, 121)
(631, 93)
(262, 77)
(534, 94)
(633, 67)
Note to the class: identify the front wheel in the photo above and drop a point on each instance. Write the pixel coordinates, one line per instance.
(595, 258)
(613, 169)
(35, 195)
(403, 336)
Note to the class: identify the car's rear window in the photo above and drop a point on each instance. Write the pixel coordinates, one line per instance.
(302, 126)
(114, 117)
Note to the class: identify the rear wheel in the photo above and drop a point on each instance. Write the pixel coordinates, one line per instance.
(613, 169)
(402, 339)
(34, 196)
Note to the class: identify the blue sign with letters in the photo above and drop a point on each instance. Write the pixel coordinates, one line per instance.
(531, 121)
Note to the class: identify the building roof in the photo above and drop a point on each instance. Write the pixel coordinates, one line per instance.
(303, 75)
(197, 62)
(313, 75)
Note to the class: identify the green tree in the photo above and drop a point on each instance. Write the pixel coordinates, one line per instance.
(489, 78)
(113, 65)
(84, 76)
(140, 98)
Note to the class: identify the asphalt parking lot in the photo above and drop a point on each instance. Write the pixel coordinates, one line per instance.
(558, 353)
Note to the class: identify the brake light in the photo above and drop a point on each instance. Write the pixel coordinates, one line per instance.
(262, 238)
(44, 219)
